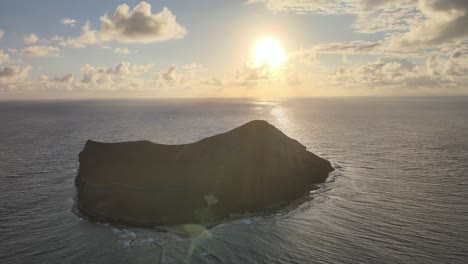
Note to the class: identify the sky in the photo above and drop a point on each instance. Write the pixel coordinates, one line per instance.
(211, 48)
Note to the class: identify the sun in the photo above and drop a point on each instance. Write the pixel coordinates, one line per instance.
(268, 51)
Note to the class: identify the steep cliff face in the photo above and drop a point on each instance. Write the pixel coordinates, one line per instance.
(146, 184)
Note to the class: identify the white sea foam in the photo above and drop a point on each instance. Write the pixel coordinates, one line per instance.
(246, 221)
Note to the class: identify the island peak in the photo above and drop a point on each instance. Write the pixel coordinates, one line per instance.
(246, 169)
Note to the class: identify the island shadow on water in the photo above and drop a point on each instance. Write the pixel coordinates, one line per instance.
(254, 169)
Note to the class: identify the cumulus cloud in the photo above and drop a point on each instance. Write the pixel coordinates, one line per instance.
(65, 79)
(445, 22)
(381, 72)
(11, 76)
(111, 75)
(64, 83)
(41, 51)
(69, 21)
(31, 38)
(302, 66)
(14, 72)
(185, 76)
(133, 77)
(457, 64)
(140, 25)
(44, 84)
(433, 65)
(213, 82)
(95, 75)
(299, 66)
(87, 37)
(386, 72)
(3, 57)
(121, 51)
(122, 78)
(170, 75)
(250, 73)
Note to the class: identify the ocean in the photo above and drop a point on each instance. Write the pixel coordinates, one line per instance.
(399, 193)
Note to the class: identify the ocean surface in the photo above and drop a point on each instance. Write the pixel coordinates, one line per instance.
(399, 194)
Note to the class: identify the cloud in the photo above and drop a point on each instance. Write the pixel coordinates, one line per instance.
(12, 76)
(213, 82)
(110, 75)
(433, 65)
(384, 16)
(299, 66)
(170, 75)
(41, 51)
(350, 47)
(385, 71)
(65, 79)
(69, 21)
(64, 83)
(123, 78)
(372, 15)
(2, 33)
(310, 6)
(407, 23)
(302, 66)
(3, 57)
(250, 73)
(185, 76)
(121, 51)
(140, 25)
(389, 72)
(445, 22)
(457, 64)
(129, 26)
(381, 47)
(87, 37)
(371, 4)
(14, 72)
(31, 38)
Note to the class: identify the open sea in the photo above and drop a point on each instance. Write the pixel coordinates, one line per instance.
(399, 194)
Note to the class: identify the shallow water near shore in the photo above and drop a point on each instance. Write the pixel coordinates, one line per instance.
(399, 194)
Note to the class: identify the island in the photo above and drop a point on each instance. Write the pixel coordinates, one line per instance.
(244, 170)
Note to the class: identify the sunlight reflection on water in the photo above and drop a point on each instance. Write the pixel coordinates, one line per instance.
(399, 195)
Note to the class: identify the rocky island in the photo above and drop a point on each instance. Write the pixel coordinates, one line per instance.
(147, 184)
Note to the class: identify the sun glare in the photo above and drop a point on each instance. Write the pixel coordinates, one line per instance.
(268, 51)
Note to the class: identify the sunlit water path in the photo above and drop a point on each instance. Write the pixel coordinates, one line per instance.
(399, 195)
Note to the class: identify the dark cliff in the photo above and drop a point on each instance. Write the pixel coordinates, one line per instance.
(146, 184)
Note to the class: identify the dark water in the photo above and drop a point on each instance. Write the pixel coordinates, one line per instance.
(400, 194)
